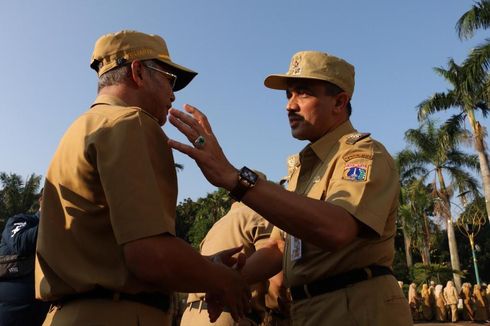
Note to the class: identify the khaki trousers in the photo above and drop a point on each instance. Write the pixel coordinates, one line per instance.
(454, 312)
(200, 317)
(378, 301)
(101, 312)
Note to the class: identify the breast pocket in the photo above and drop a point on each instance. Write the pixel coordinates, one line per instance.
(318, 190)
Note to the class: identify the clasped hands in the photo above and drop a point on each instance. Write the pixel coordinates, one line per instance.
(236, 296)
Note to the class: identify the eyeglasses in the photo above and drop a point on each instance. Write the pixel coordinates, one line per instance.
(171, 77)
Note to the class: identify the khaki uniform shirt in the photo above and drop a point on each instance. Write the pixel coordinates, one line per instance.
(355, 172)
(241, 225)
(451, 295)
(111, 181)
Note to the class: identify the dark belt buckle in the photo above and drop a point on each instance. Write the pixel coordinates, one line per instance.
(307, 291)
(369, 273)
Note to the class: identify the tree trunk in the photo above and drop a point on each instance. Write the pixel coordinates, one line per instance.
(426, 249)
(408, 254)
(453, 252)
(478, 136)
(425, 254)
(451, 237)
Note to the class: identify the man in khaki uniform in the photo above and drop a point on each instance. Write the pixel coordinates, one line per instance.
(240, 226)
(451, 297)
(340, 209)
(106, 251)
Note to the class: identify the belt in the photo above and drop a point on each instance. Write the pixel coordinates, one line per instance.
(338, 282)
(203, 305)
(157, 300)
(200, 304)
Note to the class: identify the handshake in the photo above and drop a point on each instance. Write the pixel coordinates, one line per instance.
(235, 272)
(234, 293)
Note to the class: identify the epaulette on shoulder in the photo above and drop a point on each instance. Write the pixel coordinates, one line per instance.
(355, 137)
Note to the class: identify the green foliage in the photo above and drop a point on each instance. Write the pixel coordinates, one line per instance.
(199, 230)
(17, 196)
(194, 219)
(186, 212)
(400, 269)
(439, 273)
(482, 255)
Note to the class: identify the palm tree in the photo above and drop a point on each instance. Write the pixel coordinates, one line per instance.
(415, 211)
(432, 154)
(415, 201)
(17, 196)
(475, 18)
(404, 217)
(469, 93)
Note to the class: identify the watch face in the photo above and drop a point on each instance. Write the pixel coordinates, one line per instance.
(249, 175)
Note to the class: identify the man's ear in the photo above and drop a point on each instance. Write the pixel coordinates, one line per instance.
(137, 72)
(341, 101)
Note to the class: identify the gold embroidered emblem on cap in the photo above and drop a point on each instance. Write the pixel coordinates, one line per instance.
(295, 68)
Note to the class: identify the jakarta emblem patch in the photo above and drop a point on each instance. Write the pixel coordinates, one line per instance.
(355, 172)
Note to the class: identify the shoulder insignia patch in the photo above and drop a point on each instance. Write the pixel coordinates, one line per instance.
(352, 156)
(355, 137)
(355, 172)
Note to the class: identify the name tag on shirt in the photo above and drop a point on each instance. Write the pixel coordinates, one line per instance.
(295, 248)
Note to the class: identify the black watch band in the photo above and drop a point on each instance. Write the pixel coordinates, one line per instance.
(246, 180)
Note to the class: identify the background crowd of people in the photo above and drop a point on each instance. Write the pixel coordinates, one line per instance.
(431, 302)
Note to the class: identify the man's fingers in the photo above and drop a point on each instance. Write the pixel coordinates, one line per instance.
(187, 119)
(232, 251)
(240, 261)
(226, 256)
(200, 117)
(185, 127)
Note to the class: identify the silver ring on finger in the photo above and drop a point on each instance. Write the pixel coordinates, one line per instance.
(199, 142)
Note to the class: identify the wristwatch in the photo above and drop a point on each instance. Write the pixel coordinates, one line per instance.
(246, 180)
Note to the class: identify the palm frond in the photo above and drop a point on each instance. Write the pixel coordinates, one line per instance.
(477, 17)
(477, 63)
(436, 103)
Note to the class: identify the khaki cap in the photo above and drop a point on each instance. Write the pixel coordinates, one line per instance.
(116, 49)
(316, 65)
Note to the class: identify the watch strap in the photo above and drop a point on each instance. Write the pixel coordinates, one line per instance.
(246, 180)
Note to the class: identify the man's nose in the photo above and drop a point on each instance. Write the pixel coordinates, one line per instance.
(292, 104)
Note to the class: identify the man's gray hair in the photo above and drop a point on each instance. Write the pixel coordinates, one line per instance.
(115, 76)
(122, 74)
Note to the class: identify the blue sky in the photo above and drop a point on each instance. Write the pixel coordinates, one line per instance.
(46, 81)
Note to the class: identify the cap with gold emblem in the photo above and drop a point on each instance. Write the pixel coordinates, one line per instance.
(316, 65)
(116, 49)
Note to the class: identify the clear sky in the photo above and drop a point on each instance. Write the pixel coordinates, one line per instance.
(46, 81)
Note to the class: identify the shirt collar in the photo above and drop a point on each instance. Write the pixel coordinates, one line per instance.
(322, 146)
(116, 101)
(108, 100)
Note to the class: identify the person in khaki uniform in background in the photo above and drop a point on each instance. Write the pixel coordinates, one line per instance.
(278, 297)
(426, 303)
(440, 304)
(465, 295)
(240, 226)
(414, 302)
(106, 251)
(340, 209)
(451, 297)
(480, 304)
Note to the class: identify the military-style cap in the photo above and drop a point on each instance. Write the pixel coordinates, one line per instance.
(116, 49)
(316, 65)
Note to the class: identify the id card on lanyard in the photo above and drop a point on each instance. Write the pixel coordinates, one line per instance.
(295, 248)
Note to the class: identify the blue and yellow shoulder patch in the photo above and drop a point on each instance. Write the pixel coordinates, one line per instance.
(355, 172)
